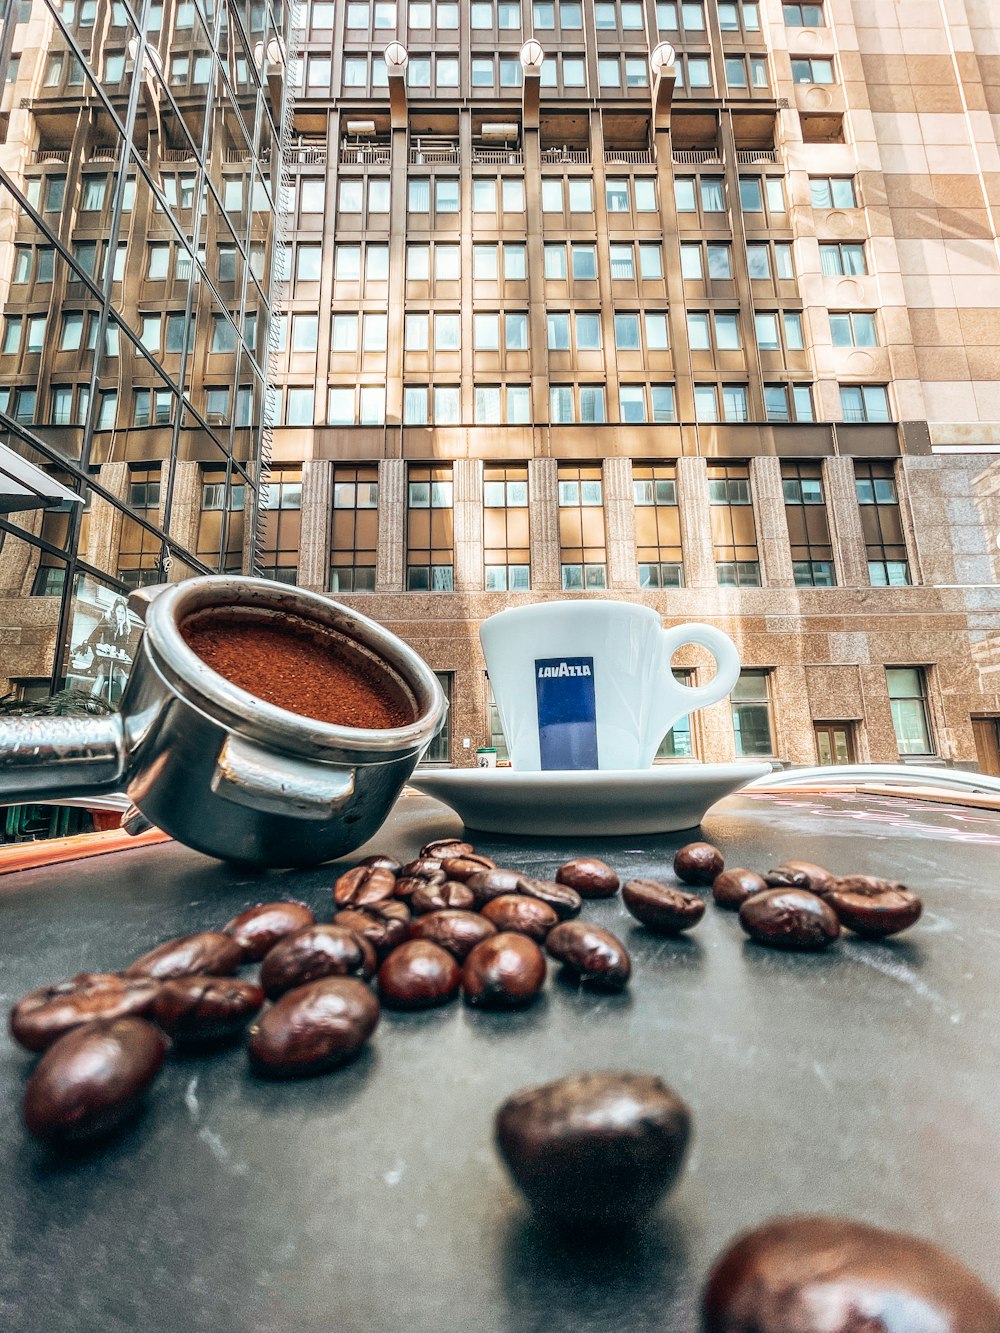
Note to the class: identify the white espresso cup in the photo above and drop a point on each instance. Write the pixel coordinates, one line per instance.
(588, 684)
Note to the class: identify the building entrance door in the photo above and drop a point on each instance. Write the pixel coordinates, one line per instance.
(987, 733)
(834, 742)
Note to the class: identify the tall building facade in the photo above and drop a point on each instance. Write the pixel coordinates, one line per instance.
(139, 175)
(694, 304)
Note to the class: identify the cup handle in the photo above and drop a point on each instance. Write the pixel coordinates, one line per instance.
(727, 662)
(279, 784)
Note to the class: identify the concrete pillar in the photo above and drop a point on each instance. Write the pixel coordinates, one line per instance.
(185, 510)
(772, 527)
(468, 520)
(696, 532)
(619, 518)
(104, 530)
(391, 557)
(19, 560)
(543, 499)
(317, 524)
(849, 556)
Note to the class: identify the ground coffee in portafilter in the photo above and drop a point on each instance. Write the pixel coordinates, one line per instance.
(299, 666)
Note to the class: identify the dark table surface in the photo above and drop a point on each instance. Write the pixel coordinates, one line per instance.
(862, 1081)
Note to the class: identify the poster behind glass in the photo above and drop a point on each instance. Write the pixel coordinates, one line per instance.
(104, 637)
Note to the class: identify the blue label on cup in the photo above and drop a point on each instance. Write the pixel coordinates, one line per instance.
(567, 714)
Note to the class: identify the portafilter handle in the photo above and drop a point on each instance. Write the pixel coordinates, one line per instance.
(46, 757)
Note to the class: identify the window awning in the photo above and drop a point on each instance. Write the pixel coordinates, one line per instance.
(25, 486)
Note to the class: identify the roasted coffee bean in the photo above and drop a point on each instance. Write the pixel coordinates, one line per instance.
(424, 867)
(363, 886)
(503, 972)
(92, 1079)
(564, 901)
(258, 929)
(595, 1150)
(383, 925)
(464, 867)
(868, 886)
(787, 878)
(698, 863)
(458, 932)
(313, 1028)
(442, 847)
(589, 877)
(732, 888)
(382, 862)
(42, 1016)
(789, 919)
(418, 975)
(518, 912)
(595, 956)
(439, 897)
(876, 916)
(206, 1009)
(407, 885)
(661, 907)
(833, 1275)
(209, 953)
(314, 952)
(487, 884)
(815, 878)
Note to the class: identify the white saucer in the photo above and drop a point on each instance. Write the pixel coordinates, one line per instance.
(590, 802)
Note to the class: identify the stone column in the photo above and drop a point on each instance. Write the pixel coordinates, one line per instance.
(317, 524)
(104, 531)
(468, 520)
(772, 527)
(391, 557)
(619, 516)
(849, 555)
(543, 501)
(696, 531)
(185, 509)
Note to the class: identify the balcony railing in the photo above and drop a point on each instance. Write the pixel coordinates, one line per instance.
(505, 157)
(308, 154)
(364, 155)
(696, 157)
(50, 155)
(425, 154)
(629, 157)
(573, 156)
(756, 157)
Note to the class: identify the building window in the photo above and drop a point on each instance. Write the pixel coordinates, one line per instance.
(657, 527)
(733, 400)
(803, 16)
(734, 532)
(429, 529)
(221, 523)
(882, 525)
(788, 402)
(833, 192)
(583, 552)
(812, 70)
(750, 703)
(506, 546)
(281, 502)
(808, 525)
(853, 329)
(138, 548)
(910, 716)
(865, 402)
(439, 750)
(355, 529)
(678, 743)
(843, 257)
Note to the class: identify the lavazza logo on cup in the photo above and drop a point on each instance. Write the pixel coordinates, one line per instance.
(584, 685)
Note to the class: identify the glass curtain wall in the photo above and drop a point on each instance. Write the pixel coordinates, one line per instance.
(139, 173)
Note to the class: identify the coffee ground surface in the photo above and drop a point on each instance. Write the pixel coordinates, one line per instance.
(298, 669)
